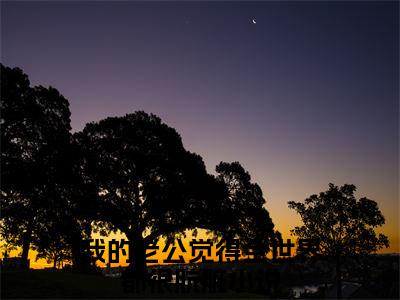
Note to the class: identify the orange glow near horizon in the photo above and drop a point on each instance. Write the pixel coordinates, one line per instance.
(41, 263)
(284, 218)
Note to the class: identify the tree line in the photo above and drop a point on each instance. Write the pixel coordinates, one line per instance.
(129, 173)
(133, 174)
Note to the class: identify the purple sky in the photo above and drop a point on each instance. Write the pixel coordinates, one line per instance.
(306, 96)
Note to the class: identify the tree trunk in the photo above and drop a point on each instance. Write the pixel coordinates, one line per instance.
(76, 253)
(25, 248)
(80, 253)
(338, 278)
(137, 262)
(55, 263)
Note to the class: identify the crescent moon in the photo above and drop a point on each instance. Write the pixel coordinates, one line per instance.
(254, 21)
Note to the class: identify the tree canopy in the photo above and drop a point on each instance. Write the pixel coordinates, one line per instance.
(343, 224)
(148, 185)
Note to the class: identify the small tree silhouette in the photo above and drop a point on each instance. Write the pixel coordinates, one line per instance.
(344, 225)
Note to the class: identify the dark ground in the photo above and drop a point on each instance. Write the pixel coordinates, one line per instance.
(378, 276)
(50, 284)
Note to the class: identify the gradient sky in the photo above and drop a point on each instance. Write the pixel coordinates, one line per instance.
(306, 96)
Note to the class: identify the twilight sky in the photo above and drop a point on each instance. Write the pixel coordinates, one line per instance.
(306, 96)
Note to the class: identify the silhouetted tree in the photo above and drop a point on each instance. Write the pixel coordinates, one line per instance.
(344, 225)
(148, 185)
(241, 213)
(35, 124)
